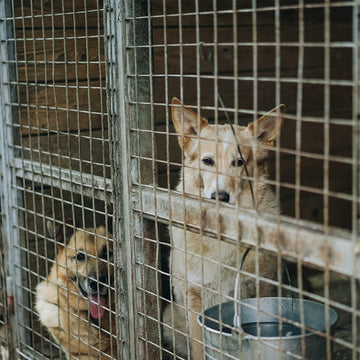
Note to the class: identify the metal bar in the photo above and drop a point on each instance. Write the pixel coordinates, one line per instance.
(326, 179)
(355, 176)
(117, 96)
(65, 179)
(294, 239)
(9, 195)
(139, 88)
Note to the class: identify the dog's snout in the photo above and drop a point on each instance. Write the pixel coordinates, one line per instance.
(93, 284)
(222, 196)
(103, 279)
(97, 284)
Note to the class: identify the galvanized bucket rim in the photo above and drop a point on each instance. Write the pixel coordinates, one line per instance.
(249, 336)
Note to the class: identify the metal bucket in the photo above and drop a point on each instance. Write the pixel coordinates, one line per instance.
(265, 314)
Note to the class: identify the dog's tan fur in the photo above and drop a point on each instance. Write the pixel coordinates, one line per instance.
(63, 298)
(199, 277)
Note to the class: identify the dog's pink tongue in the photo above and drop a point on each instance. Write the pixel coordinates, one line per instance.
(96, 305)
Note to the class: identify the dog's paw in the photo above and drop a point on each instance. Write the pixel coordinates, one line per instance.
(48, 312)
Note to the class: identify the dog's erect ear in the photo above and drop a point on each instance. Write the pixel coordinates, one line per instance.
(186, 122)
(60, 232)
(269, 125)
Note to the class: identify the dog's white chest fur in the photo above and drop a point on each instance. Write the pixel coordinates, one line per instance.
(203, 263)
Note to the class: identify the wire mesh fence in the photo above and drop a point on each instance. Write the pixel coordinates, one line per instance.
(154, 120)
(56, 171)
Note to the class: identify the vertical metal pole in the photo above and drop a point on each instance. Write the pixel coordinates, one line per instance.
(355, 302)
(128, 52)
(10, 197)
(115, 40)
(356, 116)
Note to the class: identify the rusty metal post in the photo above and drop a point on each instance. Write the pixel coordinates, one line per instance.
(130, 115)
(115, 29)
(355, 297)
(10, 197)
(144, 172)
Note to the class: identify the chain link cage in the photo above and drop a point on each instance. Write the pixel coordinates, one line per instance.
(108, 186)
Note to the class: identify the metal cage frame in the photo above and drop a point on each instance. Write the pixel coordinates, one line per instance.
(140, 205)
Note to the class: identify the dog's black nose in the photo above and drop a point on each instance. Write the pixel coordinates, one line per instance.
(94, 283)
(222, 196)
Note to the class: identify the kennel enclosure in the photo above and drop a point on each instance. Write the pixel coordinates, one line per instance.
(86, 133)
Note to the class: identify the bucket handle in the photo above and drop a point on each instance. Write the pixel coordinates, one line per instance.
(236, 321)
(237, 282)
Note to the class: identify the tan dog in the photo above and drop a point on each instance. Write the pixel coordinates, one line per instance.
(76, 302)
(203, 269)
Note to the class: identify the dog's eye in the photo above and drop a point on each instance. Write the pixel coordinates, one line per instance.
(238, 162)
(208, 161)
(80, 256)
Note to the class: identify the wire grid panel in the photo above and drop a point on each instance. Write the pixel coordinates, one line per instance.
(305, 243)
(56, 180)
(260, 56)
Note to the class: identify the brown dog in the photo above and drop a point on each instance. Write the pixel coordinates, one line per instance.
(203, 269)
(76, 301)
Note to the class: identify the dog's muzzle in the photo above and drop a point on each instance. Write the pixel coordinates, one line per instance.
(96, 290)
(98, 286)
